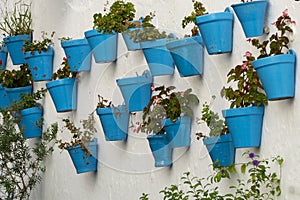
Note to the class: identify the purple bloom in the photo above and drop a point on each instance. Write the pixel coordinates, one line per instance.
(223, 171)
(251, 155)
(255, 163)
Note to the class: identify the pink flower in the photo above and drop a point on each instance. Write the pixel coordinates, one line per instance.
(137, 123)
(152, 87)
(274, 23)
(244, 65)
(136, 130)
(293, 22)
(248, 54)
(285, 13)
(182, 94)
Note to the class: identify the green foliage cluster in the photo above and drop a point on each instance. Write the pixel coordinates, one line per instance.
(79, 137)
(117, 19)
(16, 78)
(64, 72)
(216, 125)
(277, 42)
(17, 22)
(167, 104)
(257, 181)
(21, 164)
(249, 89)
(39, 46)
(199, 10)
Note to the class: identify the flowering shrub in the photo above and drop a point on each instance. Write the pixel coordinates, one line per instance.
(249, 89)
(16, 78)
(39, 46)
(259, 181)
(277, 42)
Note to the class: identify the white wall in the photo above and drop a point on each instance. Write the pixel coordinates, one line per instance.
(125, 170)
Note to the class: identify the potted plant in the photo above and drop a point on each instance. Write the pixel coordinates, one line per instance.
(187, 63)
(276, 63)
(129, 41)
(29, 113)
(78, 53)
(216, 30)
(153, 42)
(16, 25)
(22, 164)
(251, 15)
(177, 112)
(39, 57)
(245, 116)
(219, 143)
(3, 56)
(103, 38)
(16, 82)
(83, 147)
(63, 88)
(136, 91)
(114, 119)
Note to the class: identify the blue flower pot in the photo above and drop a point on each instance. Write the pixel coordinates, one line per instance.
(277, 74)
(131, 45)
(104, 46)
(64, 94)
(82, 162)
(136, 91)
(216, 30)
(3, 57)
(251, 16)
(187, 54)
(158, 57)
(14, 93)
(4, 99)
(245, 125)
(221, 150)
(14, 45)
(31, 122)
(179, 132)
(40, 64)
(114, 121)
(78, 53)
(161, 150)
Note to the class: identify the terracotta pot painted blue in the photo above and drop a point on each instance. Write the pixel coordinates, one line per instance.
(131, 45)
(136, 91)
(161, 150)
(14, 93)
(40, 64)
(63, 93)
(31, 122)
(158, 57)
(187, 54)
(179, 132)
(3, 57)
(216, 30)
(78, 53)
(245, 125)
(4, 99)
(14, 45)
(252, 17)
(221, 150)
(104, 46)
(114, 121)
(82, 162)
(277, 74)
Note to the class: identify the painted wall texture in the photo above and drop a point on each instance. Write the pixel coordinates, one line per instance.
(126, 169)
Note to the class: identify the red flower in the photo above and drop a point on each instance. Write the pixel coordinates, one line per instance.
(248, 54)
(0, 62)
(285, 13)
(65, 59)
(293, 22)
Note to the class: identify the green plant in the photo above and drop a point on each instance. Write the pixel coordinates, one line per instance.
(103, 103)
(117, 19)
(79, 137)
(257, 181)
(166, 104)
(39, 45)
(17, 22)
(148, 32)
(249, 89)
(278, 42)
(64, 72)
(199, 10)
(21, 164)
(16, 78)
(62, 39)
(216, 125)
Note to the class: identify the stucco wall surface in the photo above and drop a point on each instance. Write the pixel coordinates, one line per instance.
(126, 169)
